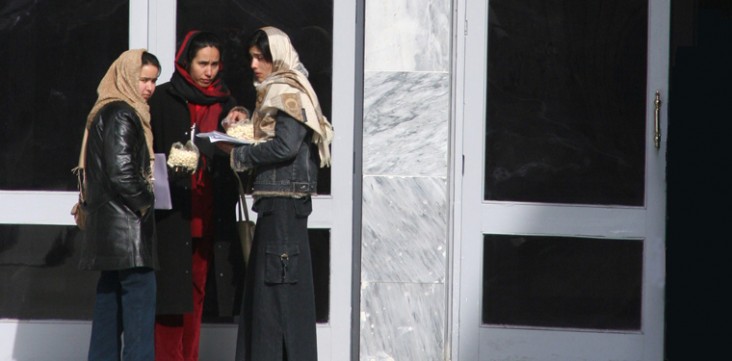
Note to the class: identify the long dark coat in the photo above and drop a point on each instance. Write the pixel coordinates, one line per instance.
(278, 312)
(171, 123)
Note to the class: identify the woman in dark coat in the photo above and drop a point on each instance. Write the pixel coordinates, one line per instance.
(292, 139)
(119, 238)
(197, 237)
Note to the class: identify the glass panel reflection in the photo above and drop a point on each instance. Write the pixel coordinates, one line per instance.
(320, 253)
(566, 101)
(562, 282)
(39, 278)
(55, 53)
(308, 23)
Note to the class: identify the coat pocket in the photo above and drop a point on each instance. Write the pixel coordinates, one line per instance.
(303, 207)
(281, 263)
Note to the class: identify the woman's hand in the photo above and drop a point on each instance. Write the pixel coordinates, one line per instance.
(236, 114)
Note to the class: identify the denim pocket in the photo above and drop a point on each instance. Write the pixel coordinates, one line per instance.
(303, 207)
(281, 263)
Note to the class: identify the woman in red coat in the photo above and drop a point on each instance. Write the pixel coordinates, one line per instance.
(197, 237)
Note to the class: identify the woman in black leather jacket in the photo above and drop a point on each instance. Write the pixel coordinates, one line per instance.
(120, 239)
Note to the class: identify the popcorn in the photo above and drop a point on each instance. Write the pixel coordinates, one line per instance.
(241, 130)
(183, 156)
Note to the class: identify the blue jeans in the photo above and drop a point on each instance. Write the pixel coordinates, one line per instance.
(124, 310)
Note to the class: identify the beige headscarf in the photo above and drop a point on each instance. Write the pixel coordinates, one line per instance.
(287, 89)
(121, 83)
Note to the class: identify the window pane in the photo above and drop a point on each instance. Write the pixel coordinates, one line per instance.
(39, 277)
(566, 101)
(562, 282)
(55, 53)
(320, 253)
(308, 23)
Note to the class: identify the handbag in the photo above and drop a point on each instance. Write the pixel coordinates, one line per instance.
(244, 225)
(79, 210)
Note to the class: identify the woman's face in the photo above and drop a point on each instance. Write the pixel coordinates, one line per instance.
(205, 66)
(148, 77)
(260, 66)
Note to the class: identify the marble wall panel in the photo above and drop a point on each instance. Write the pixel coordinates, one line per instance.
(406, 122)
(404, 229)
(404, 206)
(402, 321)
(407, 35)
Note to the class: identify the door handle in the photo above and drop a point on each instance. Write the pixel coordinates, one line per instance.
(657, 120)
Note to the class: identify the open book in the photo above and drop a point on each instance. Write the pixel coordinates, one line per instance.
(217, 136)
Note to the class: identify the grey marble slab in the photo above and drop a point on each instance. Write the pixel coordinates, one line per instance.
(404, 229)
(402, 321)
(407, 35)
(406, 122)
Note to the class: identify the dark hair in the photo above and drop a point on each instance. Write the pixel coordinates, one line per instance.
(202, 40)
(151, 59)
(261, 41)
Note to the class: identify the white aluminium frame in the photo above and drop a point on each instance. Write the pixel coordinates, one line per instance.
(468, 338)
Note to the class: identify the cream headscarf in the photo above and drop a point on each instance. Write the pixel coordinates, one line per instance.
(121, 83)
(287, 89)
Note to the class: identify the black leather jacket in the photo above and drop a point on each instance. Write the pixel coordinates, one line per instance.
(118, 235)
(286, 165)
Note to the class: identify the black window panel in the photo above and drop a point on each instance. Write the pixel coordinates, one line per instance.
(566, 103)
(39, 278)
(54, 55)
(562, 282)
(320, 252)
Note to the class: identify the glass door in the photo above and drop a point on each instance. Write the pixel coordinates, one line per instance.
(559, 253)
(37, 196)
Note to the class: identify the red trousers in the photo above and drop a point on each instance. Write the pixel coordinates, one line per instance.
(177, 337)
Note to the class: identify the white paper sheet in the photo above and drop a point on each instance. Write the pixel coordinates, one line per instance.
(217, 136)
(161, 188)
